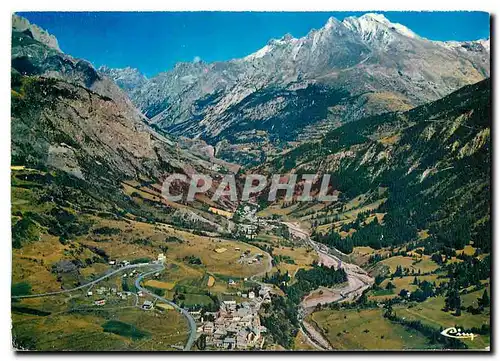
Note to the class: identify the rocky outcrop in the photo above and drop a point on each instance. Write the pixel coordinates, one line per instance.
(22, 25)
(68, 116)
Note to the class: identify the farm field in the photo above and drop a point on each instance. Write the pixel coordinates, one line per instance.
(366, 330)
(430, 312)
(301, 343)
(302, 258)
(403, 283)
(423, 264)
(82, 330)
(160, 284)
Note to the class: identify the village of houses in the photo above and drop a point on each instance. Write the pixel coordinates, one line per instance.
(234, 326)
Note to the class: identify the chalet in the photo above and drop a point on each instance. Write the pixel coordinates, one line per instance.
(264, 291)
(233, 327)
(100, 302)
(245, 321)
(229, 343)
(244, 311)
(220, 332)
(241, 339)
(218, 342)
(245, 338)
(208, 328)
(230, 305)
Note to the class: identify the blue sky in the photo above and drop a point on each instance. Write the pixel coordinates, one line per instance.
(154, 42)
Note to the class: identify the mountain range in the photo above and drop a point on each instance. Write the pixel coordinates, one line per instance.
(251, 109)
(401, 124)
(68, 117)
(430, 164)
(332, 90)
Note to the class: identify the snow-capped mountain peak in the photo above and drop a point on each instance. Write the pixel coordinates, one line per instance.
(358, 55)
(331, 23)
(373, 26)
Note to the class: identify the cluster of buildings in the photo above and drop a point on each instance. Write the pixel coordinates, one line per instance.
(246, 257)
(237, 325)
(131, 274)
(107, 291)
(114, 262)
(161, 259)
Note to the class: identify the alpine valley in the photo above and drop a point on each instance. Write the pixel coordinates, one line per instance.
(101, 261)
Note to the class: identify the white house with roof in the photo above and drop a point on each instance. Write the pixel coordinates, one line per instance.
(229, 343)
(208, 328)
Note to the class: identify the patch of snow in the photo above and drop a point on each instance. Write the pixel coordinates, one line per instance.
(372, 26)
(259, 53)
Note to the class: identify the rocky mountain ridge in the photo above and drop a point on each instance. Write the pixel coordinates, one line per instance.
(68, 116)
(432, 163)
(21, 24)
(370, 65)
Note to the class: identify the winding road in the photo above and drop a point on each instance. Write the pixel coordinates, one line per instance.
(97, 280)
(358, 281)
(157, 268)
(191, 322)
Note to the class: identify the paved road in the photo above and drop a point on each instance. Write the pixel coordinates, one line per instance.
(158, 267)
(191, 322)
(269, 266)
(97, 280)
